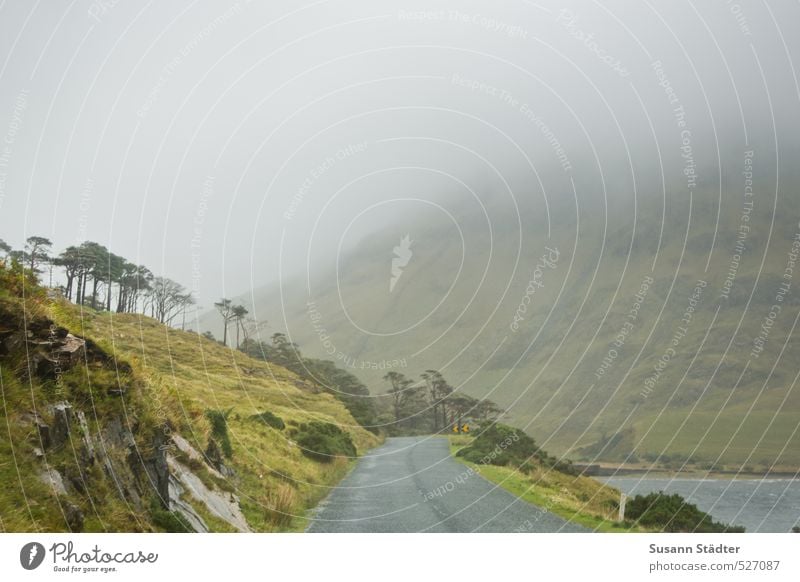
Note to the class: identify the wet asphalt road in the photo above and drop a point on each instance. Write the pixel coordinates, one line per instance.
(394, 489)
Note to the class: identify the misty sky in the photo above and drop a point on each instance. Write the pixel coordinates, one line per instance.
(225, 144)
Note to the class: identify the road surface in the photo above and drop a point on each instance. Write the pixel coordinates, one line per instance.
(412, 484)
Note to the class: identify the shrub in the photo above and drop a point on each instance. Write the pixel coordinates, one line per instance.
(322, 441)
(219, 430)
(504, 445)
(270, 419)
(672, 513)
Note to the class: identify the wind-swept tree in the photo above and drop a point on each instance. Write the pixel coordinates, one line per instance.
(438, 390)
(5, 248)
(36, 251)
(167, 298)
(225, 308)
(238, 313)
(399, 391)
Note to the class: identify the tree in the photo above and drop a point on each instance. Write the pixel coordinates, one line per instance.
(399, 392)
(438, 390)
(5, 248)
(168, 298)
(238, 313)
(36, 249)
(225, 308)
(70, 261)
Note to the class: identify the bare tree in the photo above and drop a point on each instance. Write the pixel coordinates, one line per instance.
(225, 308)
(168, 298)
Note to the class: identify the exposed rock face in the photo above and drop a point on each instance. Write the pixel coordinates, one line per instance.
(220, 503)
(216, 460)
(62, 421)
(157, 468)
(185, 509)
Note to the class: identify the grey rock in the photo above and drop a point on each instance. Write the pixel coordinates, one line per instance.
(74, 517)
(87, 451)
(52, 478)
(185, 509)
(62, 421)
(221, 504)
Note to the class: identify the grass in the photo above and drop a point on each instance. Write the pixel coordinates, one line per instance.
(175, 378)
(580, 500)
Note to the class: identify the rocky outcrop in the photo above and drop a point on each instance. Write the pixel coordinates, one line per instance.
(221, 504)
(62, 422)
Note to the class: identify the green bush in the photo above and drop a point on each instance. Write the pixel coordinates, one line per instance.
(270, 420)
(504, 445)
(672, 513)
(322, 441)
(219, 430)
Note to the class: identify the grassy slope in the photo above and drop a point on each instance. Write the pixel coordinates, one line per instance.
(179, 376)
(580, 500)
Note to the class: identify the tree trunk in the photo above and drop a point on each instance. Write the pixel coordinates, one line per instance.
(94, 292)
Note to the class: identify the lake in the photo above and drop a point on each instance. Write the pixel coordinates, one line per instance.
(760, 505)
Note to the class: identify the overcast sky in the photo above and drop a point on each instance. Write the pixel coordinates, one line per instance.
(227, 144)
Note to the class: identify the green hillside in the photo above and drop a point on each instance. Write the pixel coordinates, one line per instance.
(115, 422)
(572, 348)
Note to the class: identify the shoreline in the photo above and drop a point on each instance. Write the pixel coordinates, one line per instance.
(623, 470)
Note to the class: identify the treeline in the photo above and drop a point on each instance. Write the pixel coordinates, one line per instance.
(343, 385)
(433, 405)
(97, 278)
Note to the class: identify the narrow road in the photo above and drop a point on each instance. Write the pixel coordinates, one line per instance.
(394, 489)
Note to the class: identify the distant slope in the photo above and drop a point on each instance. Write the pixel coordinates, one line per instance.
(581, 368)
(98, 441)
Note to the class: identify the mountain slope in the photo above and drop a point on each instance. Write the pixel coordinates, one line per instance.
(641, 337)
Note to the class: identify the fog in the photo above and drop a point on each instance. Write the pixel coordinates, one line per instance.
(230, 145)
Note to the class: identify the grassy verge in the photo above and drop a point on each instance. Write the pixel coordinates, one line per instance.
(581, 500)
